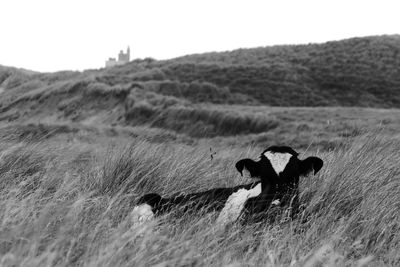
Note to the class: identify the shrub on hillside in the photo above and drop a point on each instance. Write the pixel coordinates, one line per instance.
(137, 95)
(171, 113)
(4, 74)
(141, 113)
(32, 132)
(59, 76)
(154, 74)
(204, 122)
(14, 80)
(195, 91)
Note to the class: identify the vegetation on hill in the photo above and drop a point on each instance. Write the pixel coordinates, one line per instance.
(185, 95)
(354, 72)
(92, 103)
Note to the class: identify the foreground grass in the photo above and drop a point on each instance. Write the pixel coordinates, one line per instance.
(68, 203)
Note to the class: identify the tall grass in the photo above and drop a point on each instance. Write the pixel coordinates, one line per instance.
(69, 203)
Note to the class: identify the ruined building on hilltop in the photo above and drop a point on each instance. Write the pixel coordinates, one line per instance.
(122, 59)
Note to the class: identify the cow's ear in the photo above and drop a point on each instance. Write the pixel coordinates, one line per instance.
(249, 165)
(311, 164)
(240, 166)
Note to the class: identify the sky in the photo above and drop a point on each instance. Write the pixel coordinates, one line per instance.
(54, 35)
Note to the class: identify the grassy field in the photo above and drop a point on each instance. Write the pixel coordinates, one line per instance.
(76, 156)
(67, 191)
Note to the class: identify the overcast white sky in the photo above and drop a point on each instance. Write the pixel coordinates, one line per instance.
(51, 35)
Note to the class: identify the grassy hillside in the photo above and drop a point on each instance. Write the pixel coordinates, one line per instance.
(222, 96)
(355, 72)
(92, 105)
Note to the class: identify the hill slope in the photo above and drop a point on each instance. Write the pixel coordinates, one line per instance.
(354, 72)
(181, 95)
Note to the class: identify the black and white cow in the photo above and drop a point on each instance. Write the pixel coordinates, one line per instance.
(276, 182)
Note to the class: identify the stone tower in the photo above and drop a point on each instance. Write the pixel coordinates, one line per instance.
(122, 59)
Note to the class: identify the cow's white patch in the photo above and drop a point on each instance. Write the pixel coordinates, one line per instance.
(141, 214)
(235, 204)
(278, 160)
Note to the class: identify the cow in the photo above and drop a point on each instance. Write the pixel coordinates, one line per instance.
(275, 183)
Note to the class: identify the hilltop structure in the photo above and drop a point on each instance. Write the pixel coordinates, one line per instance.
(122, 59)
